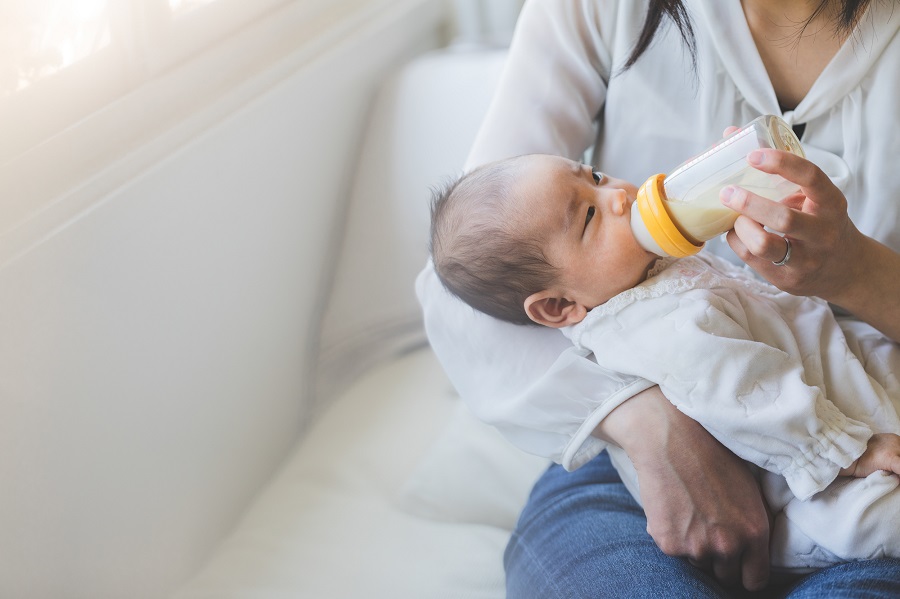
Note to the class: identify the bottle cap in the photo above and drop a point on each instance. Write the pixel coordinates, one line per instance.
(784, 137)
(654, 227)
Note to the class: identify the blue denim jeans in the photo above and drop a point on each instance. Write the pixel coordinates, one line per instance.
(582, 535)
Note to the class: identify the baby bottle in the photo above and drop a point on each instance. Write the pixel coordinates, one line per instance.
(675, 214)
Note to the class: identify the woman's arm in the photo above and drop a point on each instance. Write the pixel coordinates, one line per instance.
(872, 290)
(553, 84)
(830, 257)
(701, 501)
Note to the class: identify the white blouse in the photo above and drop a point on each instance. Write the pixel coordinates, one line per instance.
(563, 91)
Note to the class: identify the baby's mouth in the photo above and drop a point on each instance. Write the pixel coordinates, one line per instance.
(629, 201)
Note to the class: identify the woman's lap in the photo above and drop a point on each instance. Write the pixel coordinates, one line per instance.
(583, 535)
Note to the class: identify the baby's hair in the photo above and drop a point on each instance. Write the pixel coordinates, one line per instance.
(481, 252)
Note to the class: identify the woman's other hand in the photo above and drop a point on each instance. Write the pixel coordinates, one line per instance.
(702, 502)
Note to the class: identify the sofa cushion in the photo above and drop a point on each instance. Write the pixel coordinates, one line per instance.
(423, 122)
(330, 525)
(471, 474)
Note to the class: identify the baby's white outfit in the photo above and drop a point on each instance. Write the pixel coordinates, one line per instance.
(773, 377)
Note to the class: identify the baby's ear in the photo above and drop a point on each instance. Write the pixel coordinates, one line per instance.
(545, 308)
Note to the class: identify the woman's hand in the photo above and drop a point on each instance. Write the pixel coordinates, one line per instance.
(702, 502)
(825, 245)
(829, 257)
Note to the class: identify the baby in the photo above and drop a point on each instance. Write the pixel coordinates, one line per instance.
(541, 239)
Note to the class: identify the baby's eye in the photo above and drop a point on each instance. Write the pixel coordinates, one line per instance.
(590, 215)
(598, 176)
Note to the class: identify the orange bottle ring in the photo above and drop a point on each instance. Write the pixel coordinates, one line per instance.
(659, 222)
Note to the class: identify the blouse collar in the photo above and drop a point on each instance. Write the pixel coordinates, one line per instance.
(737, 51)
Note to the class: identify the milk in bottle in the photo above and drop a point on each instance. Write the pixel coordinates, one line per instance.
(675, 214)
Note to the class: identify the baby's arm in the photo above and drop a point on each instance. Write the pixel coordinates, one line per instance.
(751, 396)
(882, 453)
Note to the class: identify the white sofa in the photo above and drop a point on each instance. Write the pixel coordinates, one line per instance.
(141, 394)
(396, 491)
(214, 380)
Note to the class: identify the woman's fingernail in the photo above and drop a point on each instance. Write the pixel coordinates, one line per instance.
(756, 157)
(726, 194)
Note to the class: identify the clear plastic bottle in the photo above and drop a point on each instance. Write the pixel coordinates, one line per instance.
(676, 214)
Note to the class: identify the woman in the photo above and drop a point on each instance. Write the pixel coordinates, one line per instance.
(647, 84)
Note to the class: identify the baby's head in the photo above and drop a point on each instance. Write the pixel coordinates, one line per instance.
(536, 239)
(485, 250)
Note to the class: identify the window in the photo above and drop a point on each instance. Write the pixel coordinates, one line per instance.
(41, 37)
(92, 92)
(61, 60)
(180, 7)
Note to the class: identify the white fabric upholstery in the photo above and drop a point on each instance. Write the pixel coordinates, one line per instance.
(471, 474)
(397, 491)
(159, 321)
(421, 127)
(335, 522)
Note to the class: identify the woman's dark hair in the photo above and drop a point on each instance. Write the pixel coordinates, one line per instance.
(850, 11)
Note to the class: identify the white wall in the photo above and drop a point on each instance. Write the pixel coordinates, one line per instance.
(155, 343)
(485, 22)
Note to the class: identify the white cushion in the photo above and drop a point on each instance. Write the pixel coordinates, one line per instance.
(330, 525)
(471, 474)
(421, 127)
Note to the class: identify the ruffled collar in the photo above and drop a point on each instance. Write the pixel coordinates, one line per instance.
(670, 276)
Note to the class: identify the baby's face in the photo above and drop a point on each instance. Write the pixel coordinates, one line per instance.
(585, 225)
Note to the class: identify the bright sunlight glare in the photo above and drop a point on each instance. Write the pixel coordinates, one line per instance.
(41, 37)
(180, 7)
